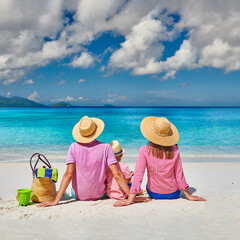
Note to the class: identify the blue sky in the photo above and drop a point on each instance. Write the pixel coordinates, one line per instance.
(128, 53)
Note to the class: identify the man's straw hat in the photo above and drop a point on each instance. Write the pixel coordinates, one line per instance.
(117, 149)
(160, 131)
(87, 129)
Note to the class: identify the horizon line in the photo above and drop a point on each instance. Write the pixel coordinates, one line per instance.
(46, 106)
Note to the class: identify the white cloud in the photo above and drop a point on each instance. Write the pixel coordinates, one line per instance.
(9, 94)
(185, 57)
(115, 97)
(82, 99)
(9, 76)
(84, 61)
(34, 96)
(220, 54)
(9, 81)
(102, 69)
(140, 46)
(69, 99)
(109, 101)
(207, 45)
(184, 84)
(29, 81)
(213, 37)
(81, 80)
(66, 99)
(61, 82)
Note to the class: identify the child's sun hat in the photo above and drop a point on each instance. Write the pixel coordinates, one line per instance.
(160, 131)
(116, 147)
(87, 129)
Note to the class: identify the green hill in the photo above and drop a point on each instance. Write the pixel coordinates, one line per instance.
(18, 102)
(61, 104)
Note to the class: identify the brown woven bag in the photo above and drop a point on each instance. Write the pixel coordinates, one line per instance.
(43, 189)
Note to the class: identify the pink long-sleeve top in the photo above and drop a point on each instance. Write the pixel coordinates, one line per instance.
(164, 175)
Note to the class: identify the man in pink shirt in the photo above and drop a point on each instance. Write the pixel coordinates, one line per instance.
(113, 190)
(88, 162)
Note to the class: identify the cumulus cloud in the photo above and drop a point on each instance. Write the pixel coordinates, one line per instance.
(29, 81)
(184, 84)
(142, 44)
(37, 33)
(115, 97)
(213, 39)
(69, 99)
(34, 96)
(66, 99)
(84, 61)
(9, 76)
(185, 57)
(61, 82)
(82, 80)
(82, 99)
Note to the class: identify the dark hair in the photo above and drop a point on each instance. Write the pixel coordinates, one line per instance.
(158, 150)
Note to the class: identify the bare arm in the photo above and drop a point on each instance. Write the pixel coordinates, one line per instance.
(137, 180)
(192, 198)
(67, 178)
(117, 174)
(182, 185)
(128, 180)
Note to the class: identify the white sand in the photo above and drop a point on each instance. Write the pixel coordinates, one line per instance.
(218, 218)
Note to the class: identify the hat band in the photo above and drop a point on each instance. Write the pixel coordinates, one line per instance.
(161, 134)
(118, 152)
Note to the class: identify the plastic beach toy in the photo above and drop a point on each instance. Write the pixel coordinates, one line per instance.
(23, 196)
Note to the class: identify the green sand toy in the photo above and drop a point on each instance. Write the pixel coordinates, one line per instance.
(23, 196)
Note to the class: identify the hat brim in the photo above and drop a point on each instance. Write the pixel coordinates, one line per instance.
(149, 133)
(83, 139)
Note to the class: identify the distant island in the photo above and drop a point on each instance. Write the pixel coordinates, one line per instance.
(20, 102)
(60, 105)
(25, 103)
(108, 105)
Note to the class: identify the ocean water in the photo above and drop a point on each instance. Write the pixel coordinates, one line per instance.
(206, 134)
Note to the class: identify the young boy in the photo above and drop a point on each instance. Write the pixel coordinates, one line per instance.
(113, 190)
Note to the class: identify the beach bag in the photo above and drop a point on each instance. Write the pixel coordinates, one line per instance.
(43, 184)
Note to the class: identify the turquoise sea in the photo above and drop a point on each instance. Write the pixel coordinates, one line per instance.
(206, 134)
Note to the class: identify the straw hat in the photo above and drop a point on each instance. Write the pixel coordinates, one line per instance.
(160, 131)
(117, 149)
(87, 129)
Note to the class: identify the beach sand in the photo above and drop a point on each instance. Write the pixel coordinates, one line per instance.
(218, 218)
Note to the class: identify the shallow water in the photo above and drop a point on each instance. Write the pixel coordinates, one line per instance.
(206, 134)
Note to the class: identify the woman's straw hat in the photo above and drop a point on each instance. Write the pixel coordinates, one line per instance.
(160, 131)
(117, 149)
(87, 129)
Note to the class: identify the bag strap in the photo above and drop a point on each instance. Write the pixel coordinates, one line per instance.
(40, 157)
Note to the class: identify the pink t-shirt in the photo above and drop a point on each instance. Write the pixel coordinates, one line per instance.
(164, 175)
(113, 190)
(91, 161)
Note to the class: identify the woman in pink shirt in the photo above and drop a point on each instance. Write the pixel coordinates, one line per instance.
(162, 160)
(87, 164)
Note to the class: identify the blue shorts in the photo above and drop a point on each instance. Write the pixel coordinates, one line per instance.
(173, 195)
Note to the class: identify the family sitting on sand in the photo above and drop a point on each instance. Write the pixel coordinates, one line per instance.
(95, 168)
